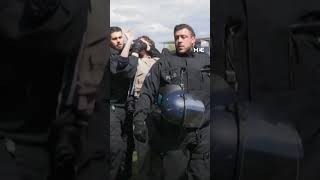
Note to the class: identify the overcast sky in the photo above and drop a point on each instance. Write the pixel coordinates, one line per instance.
(157, 19)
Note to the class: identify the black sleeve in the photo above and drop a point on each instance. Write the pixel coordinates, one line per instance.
(148, 92)
(64, 134)
(154, 52)
(46, 20)
(125, 67)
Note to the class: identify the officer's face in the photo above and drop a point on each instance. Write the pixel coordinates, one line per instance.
(184, 40)
(117, 41)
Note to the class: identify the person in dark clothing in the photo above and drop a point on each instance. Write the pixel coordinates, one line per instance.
(32, 33)
(180, 151)
(147, 57)
(123, 67)
(41, 42)
(165, 51)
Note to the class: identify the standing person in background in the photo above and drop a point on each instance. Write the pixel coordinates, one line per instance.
(147, 57)
(123, 67)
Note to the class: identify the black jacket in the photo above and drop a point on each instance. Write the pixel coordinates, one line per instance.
(122, 71)
(167, 71)
(36, 48)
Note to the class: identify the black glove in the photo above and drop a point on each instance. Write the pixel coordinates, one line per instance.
(138, 46)
(154, 52)
(65, 137)
(140, 131)
(131, 102)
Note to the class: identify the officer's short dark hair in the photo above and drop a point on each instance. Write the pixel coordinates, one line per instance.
(148, 39)
(184, 26)
(115, 29)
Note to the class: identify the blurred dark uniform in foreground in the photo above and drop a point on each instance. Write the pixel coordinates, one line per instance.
(42, 41)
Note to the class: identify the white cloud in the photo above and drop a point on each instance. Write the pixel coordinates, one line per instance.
(158, 18)
(157, 28)
(203, 33)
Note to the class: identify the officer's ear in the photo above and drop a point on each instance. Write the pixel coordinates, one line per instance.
(193, 40)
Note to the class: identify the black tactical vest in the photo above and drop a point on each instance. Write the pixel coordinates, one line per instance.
(187, 72)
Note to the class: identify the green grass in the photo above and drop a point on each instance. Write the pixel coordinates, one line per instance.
(134, 166)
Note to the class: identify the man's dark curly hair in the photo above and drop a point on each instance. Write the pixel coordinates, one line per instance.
(115, 29)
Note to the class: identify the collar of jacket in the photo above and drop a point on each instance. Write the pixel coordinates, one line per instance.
(190, 53)
(114, 51)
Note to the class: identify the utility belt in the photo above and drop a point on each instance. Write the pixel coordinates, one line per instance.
(193, 156)
(117, 106)
(202, 156)
(11, 144)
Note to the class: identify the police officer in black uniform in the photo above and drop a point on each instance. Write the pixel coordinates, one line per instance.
(123, 66)
(178, 140)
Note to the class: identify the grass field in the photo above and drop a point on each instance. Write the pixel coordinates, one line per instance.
(134, 166)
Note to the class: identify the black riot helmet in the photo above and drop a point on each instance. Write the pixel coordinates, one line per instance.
(180, 108)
